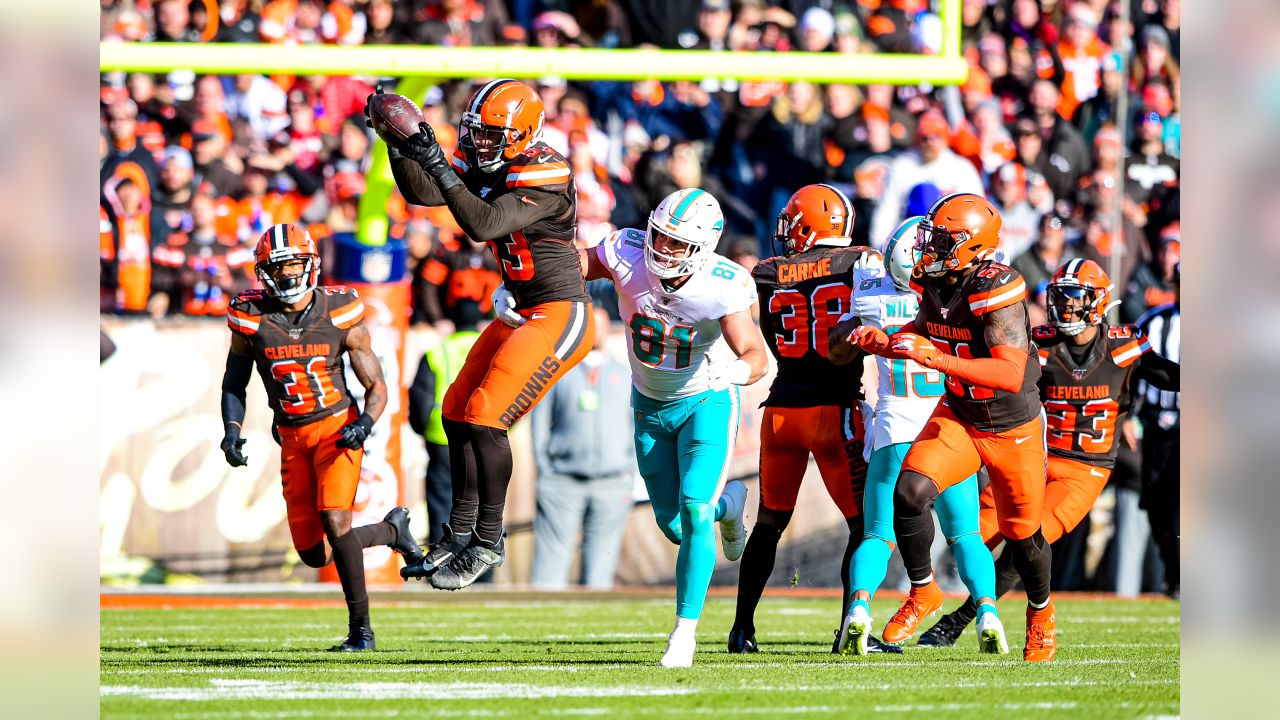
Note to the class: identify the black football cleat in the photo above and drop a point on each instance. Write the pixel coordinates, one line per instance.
(359, 639)
(437, 556)
(404, 544)
(946, 632)
(741, 641)
(467, 566)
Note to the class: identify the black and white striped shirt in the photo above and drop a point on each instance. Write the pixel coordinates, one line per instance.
(1163, 327)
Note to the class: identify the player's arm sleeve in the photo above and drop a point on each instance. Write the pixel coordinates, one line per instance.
(422, 396)
(1160, 371)
(414, 182)
(235, 382)
(516, 210)
(1006, 335)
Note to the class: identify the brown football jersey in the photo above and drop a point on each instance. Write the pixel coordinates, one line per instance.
(540, 262)
(802, 297)
(299, 358)
(1083, 401)
(953, 317)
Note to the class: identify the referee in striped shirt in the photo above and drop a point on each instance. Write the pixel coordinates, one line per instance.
(1157, 412)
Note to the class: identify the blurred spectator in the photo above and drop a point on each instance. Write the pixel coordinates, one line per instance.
(198, 272)
(260, 102)
(122, 125)
(817, 28)
(457, 271)
(1020, 221)
(1038, 264)
(238, 22)
(1064, 150)
(586, 468)
(209, 150)
(1153, 281)
(1081, 52)
(437, 371)
(456, 23)
(713, 25)
(929, 161)
(383, 28)
(1171, 23)
(173, 22)
(172, 197)
(665, 23)
(1101, 109)
(595, 194)
(554, 28)
(869, 185)
(1150, 166)
(134, 226)
(420, 238)
(1155, 62)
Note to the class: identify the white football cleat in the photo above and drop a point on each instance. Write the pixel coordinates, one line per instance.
(733, 532)
(991, 634)
(680, 649)
(855, 630)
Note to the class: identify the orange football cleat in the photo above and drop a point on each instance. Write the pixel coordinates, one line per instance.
(1042, 638)
(923, 601)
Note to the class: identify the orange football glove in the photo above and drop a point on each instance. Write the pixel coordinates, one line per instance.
(914, 347)
(873, 340)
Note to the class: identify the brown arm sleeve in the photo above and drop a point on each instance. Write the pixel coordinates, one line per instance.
(516, 210)
(414, 182)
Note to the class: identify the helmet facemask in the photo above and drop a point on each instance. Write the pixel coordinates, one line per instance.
(288, 288)
(668, 266)
(487, 146)
(783, 235)
(936, 247)
(1072, 308)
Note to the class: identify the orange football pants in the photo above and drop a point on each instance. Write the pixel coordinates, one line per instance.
(509, 370)
(833, 435)
(1069, 495)
(947, 452)
(317, 474)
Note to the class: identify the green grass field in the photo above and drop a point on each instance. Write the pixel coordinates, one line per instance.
(479, 655)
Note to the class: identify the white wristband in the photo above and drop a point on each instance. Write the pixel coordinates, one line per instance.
(737, 372)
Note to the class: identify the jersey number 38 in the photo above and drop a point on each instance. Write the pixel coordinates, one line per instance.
(806, 320)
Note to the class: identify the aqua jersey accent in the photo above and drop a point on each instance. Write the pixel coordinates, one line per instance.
(445, 361)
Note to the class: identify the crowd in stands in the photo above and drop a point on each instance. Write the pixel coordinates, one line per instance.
(1069, 122)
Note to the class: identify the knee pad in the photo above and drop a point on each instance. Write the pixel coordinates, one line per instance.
(314, 556)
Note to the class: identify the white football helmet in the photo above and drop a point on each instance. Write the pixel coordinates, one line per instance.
(901, 255)
(691, 217)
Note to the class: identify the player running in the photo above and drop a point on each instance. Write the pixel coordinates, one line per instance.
(972, 326)
(505, 187)
(908, 394)
(691, 342)
(297, 333)
(813, 406)
(1089, 370)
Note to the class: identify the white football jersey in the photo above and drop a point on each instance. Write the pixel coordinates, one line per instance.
(907, 392)
(673, 336)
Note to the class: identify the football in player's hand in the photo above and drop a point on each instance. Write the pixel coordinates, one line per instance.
(393, 117)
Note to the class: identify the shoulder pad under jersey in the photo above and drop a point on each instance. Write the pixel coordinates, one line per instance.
(345, 308)
(1127, 344)
(995, 286)
(244, 314)
(539, 167)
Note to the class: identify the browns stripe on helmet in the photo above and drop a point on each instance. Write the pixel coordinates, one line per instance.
(1079, 295)
(503, 118)
(815, 212)
(280, 245)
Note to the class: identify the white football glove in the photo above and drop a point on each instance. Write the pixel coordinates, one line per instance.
(726, 374)
(504, 304)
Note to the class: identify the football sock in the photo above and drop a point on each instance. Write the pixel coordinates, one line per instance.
(348, 557)
(376, 534)
(493, 471)
(696, 559)
(722, 508)
(754, 570)
(1006, 574)
(463, 473)
(869, 565)
(855, 539)
(974, 564)
(686, 626)
(966, 612)
(1034, 561)
(915, 538)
